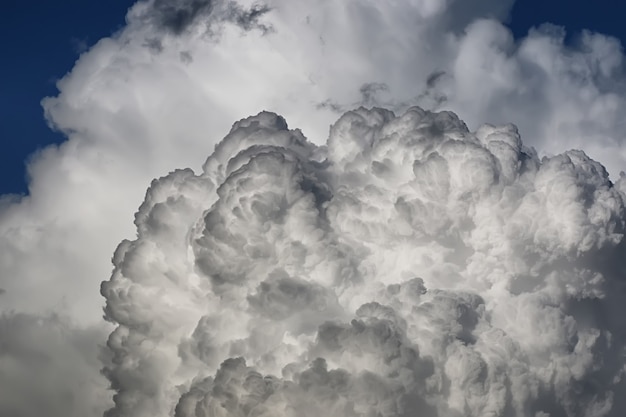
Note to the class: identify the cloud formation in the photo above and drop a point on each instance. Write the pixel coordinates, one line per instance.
(161, 92)
(407, 266)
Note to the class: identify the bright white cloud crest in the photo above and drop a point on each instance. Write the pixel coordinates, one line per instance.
(408, 267)
(280, 243)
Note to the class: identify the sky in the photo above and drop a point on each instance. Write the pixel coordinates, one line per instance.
(43, 40)
(355, 207)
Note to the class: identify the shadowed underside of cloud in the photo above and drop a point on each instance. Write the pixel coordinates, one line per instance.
(407, 267)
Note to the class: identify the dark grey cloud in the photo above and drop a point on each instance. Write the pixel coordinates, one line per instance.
(154, 44)
(177, 16)
(186, 57)
(370, 93)
(248, 19)
(377, 94)
(432, 97)
(332, 105)
(432, 79)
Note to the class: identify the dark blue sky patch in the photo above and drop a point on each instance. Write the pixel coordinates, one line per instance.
(40, 41)
(603, 16)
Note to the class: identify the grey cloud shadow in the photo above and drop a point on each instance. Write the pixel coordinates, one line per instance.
(177, 16)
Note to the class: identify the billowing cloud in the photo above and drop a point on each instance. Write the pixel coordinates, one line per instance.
(161, 92)
(409, 266)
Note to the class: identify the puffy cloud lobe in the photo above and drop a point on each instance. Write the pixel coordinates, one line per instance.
(408, 266)
(561, 96)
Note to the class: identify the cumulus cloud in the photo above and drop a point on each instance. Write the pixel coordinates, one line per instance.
(407, 266)
(161, 92)
(50, 368)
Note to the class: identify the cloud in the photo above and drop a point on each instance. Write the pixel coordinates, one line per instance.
(178, 16)
(48, 367)
(562, 96)
(409, 265)
(248, 19)
(161, 92)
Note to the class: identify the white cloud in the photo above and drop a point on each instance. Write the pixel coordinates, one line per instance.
(409, 266)
(161, 92)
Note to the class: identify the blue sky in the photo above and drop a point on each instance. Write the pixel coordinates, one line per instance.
(41, 41)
